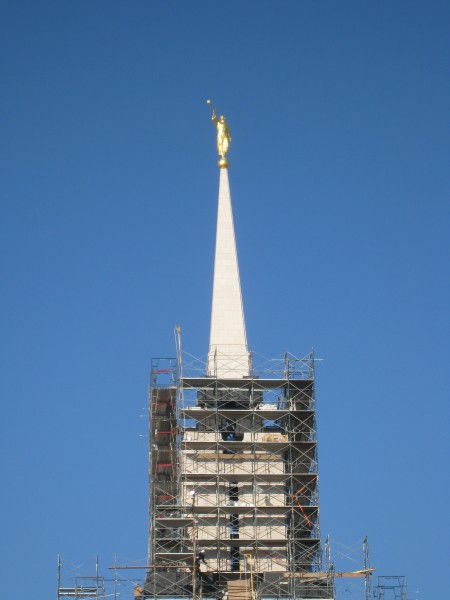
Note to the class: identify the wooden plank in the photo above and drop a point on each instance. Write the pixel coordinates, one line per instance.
(326, 574)
(239, 589)
(257, 455)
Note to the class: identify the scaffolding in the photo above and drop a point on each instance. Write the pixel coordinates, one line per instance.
(350, 568)
(125, 581)
(390, 587)
(82, 586)
(234, 496)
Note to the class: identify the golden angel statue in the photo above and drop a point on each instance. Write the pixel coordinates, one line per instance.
(223, 134)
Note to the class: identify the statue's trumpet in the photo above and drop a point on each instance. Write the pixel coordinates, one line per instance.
(212, 106)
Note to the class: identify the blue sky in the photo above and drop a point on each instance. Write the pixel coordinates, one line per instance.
(339, 113)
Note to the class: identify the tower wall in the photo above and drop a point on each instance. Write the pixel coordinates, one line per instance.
(234, 490)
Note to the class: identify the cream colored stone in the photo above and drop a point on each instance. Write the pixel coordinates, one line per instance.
(228, 352)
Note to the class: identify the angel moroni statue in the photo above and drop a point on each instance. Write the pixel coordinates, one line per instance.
(223, 137)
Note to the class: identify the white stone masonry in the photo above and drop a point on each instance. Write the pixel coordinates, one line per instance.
(228, 353)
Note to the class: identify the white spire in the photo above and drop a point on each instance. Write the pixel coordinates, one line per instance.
(228, 353)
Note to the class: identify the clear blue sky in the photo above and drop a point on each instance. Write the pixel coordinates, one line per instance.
(339, 171)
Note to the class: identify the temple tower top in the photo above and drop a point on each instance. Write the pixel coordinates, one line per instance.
(228, 355)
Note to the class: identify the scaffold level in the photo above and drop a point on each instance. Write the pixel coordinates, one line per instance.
(390, 587)
(234, 495)
(81, 586)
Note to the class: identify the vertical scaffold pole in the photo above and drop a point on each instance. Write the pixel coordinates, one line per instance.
(366, 567)
(328, 553)
(252, 592)
(115, 577)
(59, 576)
(178, 347)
